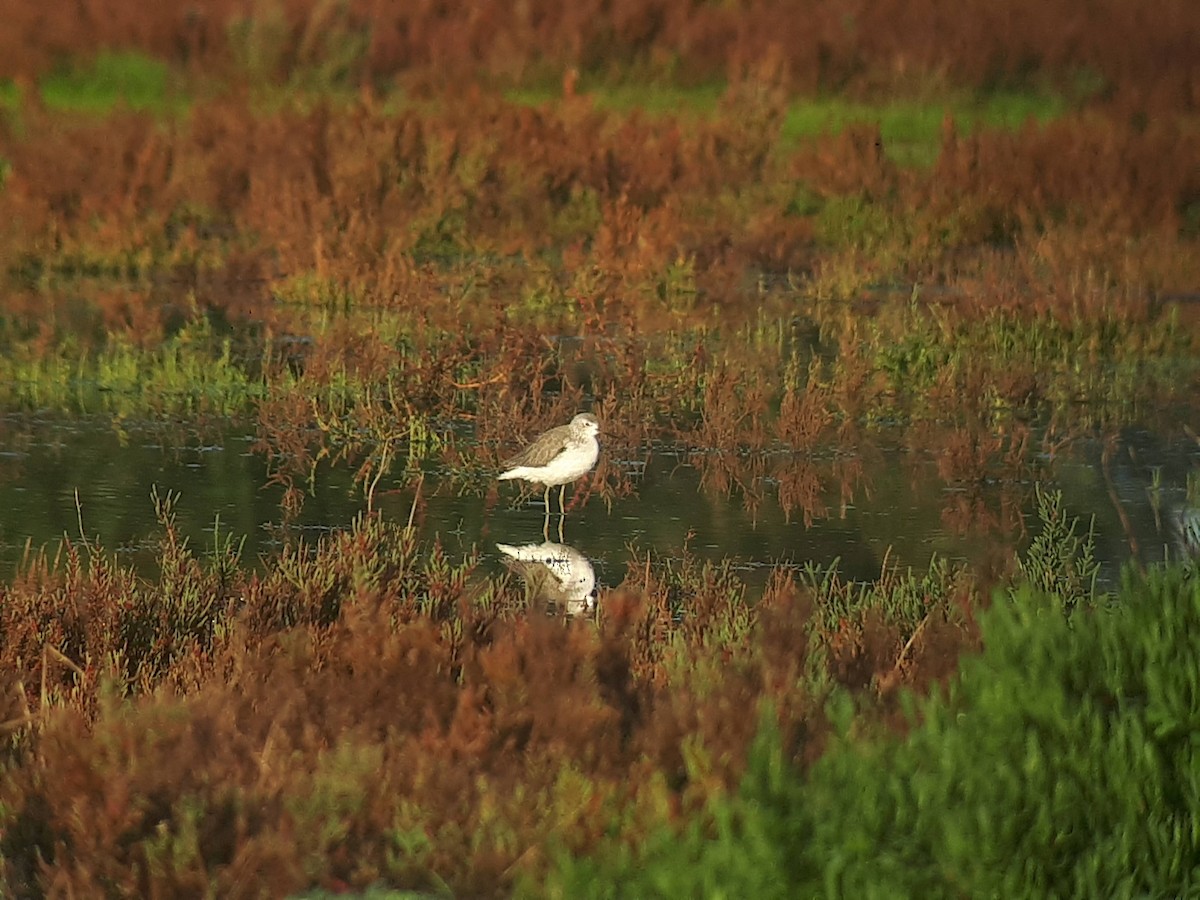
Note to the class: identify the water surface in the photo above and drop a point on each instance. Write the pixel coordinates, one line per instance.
(56, 475)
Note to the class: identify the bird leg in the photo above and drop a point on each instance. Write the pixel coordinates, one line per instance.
(546, 499)
(562, 499)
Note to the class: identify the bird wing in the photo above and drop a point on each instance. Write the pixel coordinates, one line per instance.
(541, 451)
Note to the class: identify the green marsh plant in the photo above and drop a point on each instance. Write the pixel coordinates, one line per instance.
(1060, 560)
(112, 78)
(899, 597)
(369, 431)
(1060, 762)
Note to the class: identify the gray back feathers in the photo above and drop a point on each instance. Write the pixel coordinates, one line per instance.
(549, 444)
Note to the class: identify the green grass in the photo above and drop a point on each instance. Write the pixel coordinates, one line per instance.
(112, 78)
(911, 121)
(1011, 109)
(10, 94)
(911, 129)
(191, 373)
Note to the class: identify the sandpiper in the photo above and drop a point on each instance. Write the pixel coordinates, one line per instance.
(557, 457)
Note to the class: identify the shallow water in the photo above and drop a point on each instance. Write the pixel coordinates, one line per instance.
(56, 474)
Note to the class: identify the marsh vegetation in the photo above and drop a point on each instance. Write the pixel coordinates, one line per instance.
(890, 325)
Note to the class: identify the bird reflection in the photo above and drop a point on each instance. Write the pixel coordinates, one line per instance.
(1187, 532)
(556, 576)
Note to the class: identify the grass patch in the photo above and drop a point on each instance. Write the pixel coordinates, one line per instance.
(10, 94)
(192, 373)
(911, 130)
(1012, 109)
(112, 79)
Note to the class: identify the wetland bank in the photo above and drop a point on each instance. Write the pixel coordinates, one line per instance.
(891, 331)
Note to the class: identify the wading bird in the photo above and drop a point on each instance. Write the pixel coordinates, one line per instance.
(557, 457)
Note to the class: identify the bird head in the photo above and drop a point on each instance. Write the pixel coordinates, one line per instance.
(586, 423)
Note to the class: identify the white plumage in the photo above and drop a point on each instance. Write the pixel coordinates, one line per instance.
(557, 457)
